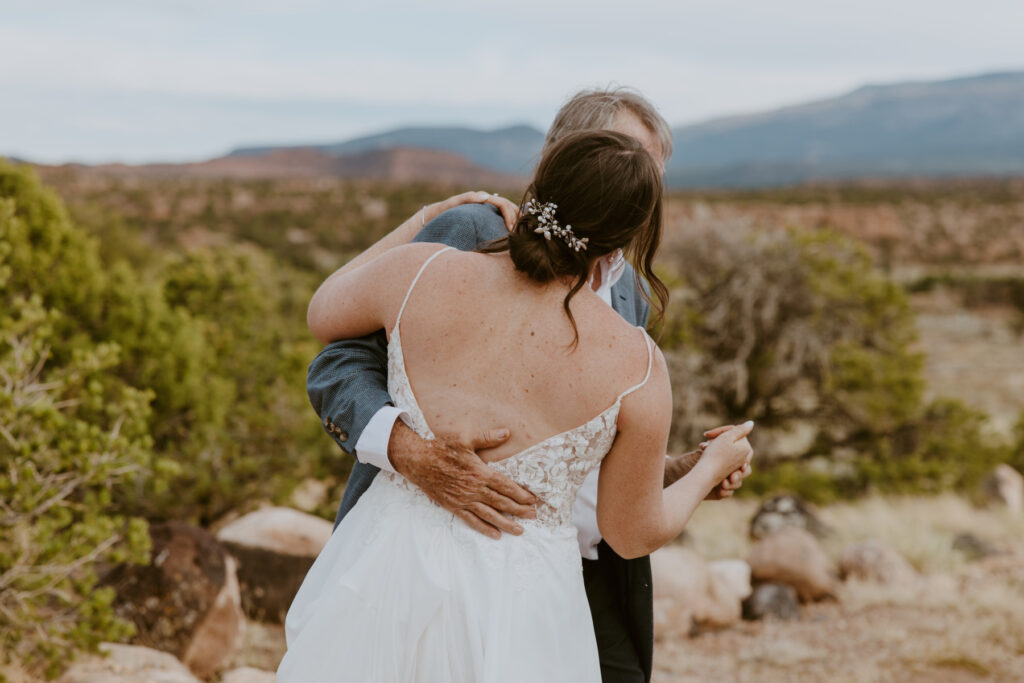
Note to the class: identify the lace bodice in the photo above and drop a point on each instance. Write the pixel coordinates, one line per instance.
(553, 469)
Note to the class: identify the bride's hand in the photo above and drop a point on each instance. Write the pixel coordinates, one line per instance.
(734, 481)
(728, 453)
(509, 210)
(678, 466)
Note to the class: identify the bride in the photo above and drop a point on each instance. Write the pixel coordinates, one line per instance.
(404, 591)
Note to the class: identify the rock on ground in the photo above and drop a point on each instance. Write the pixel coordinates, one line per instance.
(275, 547)
(186, 601)
(688, 595)
(247, 674)
(794, 557)
(974, 547)
(735, 574)
(1005, 486)
(128, 664)
(771, 601)
(874, 560)
(785, 511)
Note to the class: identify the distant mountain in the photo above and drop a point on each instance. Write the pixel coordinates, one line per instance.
(403, 164)
(959, 127)
(514, 149)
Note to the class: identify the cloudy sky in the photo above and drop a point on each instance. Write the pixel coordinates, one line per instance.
(144, 80)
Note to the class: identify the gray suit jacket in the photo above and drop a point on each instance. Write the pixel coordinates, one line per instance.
(347, 385)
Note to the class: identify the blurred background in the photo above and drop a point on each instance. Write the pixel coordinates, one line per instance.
(844, 246)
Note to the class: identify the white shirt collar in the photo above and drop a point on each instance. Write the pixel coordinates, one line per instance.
(612, 266)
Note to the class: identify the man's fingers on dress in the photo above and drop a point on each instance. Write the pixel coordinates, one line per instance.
(507, 506)
(508, 488)
(495, 519)
(478, 524)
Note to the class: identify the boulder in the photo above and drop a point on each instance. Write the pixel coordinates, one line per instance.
(733, 573)
(309, 494)
(1005, 486)
(974, 547)
(688, 596)
(785, 511)
(793, 557)
(275, 547)
(186, 601)
(771, 601)
(128, 664)
(247, 674)
(873, 560)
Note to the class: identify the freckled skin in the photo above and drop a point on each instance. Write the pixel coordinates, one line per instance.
(554, 391)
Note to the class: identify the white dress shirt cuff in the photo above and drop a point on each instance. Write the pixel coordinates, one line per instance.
(372, 447)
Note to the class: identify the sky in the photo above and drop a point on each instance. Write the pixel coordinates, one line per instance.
(141, 80)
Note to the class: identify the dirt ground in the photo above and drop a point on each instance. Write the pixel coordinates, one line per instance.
(963, 620)
(973, 354)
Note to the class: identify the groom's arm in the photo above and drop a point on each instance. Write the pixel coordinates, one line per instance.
(347, 384)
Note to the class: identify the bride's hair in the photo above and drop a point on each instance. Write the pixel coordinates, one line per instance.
(608, 189)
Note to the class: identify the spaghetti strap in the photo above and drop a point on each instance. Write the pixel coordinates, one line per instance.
(417, 279)
(650, 359)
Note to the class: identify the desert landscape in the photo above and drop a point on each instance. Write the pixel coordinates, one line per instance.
(920, 586)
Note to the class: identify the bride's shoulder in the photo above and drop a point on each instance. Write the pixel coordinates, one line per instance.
(413, 256)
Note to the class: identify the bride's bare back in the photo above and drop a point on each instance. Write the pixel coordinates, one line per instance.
(485, 346)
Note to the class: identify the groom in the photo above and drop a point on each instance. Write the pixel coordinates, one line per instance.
(347, 385)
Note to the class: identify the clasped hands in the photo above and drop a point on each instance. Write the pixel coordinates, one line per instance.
(452, 475)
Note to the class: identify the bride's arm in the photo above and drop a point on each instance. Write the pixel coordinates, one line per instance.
(353, 302)
(407, 231)
(635, 514)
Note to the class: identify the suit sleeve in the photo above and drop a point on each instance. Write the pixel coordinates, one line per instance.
(347, 382)
(643, 309)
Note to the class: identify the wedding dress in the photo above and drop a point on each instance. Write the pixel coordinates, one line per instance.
(406, 592)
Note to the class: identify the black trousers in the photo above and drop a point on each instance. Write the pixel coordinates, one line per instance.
(616, 644)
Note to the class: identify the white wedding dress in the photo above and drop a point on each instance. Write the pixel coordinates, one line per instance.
(404, 591)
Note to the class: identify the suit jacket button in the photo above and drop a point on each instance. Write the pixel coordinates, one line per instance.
(342, 435)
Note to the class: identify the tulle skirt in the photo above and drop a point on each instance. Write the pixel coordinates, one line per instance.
(405, 592)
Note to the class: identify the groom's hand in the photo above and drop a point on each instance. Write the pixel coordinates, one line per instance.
(453, 476)
(677, 466)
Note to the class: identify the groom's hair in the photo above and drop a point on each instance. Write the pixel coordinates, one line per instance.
(597, 108)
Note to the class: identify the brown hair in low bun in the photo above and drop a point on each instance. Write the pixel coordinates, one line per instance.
(608, 189)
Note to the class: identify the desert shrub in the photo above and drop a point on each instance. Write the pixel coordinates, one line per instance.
(976, 290)
(1017, 454)
(945, 448)
(258, 435)
(71, 432)
(791, 329)
(215, 336)
(798, 331)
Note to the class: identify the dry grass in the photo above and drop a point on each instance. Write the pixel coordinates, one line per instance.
(961, 621)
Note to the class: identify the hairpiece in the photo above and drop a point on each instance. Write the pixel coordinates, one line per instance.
(549, 225)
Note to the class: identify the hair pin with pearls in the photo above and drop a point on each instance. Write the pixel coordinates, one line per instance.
(549, 225)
